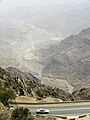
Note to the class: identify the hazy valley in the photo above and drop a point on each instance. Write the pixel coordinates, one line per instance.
(46, 41)
(44, 59)
(61, 63)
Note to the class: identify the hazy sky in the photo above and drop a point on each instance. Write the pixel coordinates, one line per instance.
(4, 4)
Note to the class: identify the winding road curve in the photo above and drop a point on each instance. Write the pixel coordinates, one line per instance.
(59, 109)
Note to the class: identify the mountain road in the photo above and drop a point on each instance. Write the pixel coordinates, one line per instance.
(58, 109)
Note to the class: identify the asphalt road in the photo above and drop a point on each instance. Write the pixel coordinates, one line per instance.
(58, 109)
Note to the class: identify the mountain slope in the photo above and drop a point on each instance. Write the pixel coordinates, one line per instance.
(69, 60)
(82, 94)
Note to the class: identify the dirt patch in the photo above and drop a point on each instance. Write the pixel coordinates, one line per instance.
(25, 99)
(34, 100)
(38, 117)
(50, 99)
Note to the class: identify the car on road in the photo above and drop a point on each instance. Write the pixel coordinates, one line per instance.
(42, 111)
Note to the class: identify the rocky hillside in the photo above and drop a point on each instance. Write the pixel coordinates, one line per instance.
(82, 94)
(24, 75)
(30, 87)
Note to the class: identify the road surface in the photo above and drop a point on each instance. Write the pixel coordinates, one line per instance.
(56, 109)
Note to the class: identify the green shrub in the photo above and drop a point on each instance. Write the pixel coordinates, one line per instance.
(39, 92)
(20, 114)
(6, 95)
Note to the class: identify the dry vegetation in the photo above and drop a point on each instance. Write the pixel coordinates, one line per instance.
(31, 89)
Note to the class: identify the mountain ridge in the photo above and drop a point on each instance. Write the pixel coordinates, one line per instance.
(71, 59)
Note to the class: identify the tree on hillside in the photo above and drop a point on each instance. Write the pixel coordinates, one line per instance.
(21, 114)
(6, 96)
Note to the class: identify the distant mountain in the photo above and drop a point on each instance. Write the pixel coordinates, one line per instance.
(63, 64)
(66, 19)
(69, 60)
(24, 13)
(19, 41)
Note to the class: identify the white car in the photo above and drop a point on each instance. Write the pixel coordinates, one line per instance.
(42, 111)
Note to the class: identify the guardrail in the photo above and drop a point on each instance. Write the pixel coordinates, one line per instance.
(84, 101)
